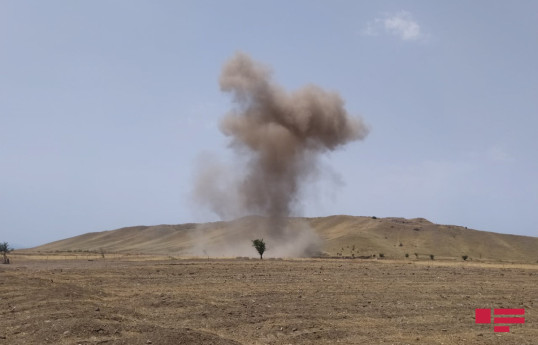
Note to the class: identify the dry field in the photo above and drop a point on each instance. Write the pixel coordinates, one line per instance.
(135, 300)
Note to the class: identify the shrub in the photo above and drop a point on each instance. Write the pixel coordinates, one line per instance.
(381, 255)
(464, 257)
(4, 250)
(406, 255)
(432, 256)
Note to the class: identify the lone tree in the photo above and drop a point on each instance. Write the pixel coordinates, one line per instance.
(4, 249)
(260, 246)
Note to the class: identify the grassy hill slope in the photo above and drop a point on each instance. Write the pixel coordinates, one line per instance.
(341, 236)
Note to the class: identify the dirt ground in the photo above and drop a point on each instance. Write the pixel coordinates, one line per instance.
(242, 301)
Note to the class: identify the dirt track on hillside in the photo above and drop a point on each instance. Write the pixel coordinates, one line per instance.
(261, 302)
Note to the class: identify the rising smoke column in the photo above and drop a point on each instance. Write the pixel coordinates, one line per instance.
(280, 135)
(284, 134)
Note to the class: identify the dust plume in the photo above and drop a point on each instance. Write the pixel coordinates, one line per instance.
(278, 137)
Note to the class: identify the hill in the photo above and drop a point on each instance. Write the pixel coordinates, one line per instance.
(345, 236)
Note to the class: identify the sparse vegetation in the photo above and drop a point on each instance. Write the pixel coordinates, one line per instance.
(259, 244)
(359, 236)
(159, 292)
(464, 257)
(4, 250)
(416, 255)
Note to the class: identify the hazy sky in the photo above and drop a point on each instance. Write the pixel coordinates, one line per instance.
(106, 106)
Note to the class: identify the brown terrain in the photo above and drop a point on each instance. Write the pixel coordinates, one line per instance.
(92, 290)
(345, 236)
(124, 299)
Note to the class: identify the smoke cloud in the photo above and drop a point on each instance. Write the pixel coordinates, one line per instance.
(278, 136)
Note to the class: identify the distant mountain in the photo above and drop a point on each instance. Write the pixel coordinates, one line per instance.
(341, 235)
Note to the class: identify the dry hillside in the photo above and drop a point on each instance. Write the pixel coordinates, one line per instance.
(345, 236)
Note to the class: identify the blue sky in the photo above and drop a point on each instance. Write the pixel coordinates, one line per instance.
(105, 108)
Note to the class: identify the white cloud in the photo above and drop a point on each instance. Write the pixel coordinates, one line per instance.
(370, 29)
(403, 25)
(400, 24)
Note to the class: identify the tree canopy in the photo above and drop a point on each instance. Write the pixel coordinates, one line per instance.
(259, 244)
(4, 249)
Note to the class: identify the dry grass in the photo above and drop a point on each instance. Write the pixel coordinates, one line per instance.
(342, 236)
(134, 299)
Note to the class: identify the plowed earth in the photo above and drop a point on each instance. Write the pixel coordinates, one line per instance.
(225, 302)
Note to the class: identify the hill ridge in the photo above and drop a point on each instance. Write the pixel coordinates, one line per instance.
(341, 235)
